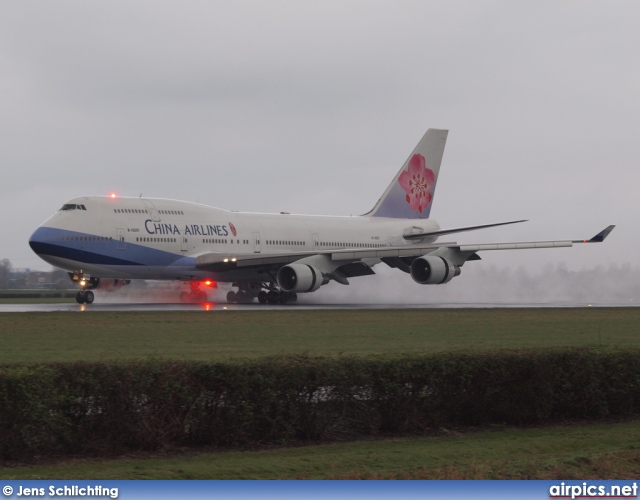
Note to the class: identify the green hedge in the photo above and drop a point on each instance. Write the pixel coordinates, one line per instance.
(109, 408)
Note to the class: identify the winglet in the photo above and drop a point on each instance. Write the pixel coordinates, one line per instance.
(598, 238)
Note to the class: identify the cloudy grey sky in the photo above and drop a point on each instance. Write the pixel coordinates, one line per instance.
(312, 107)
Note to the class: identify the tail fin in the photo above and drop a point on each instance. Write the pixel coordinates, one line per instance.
(410, 195)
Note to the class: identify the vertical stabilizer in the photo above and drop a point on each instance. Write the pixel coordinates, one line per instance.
(410, 195)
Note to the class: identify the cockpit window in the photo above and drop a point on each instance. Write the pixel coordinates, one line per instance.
(72, 206)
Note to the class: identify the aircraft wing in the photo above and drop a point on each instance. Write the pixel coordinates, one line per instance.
(598, 238)
(217, 262)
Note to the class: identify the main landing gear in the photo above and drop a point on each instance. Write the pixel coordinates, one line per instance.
(195, 295)
(266, 294)
(277, 296)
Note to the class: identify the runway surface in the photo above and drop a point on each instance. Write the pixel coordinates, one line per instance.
(212, 307)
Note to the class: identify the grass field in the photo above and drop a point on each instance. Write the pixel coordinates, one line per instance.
(610, 450)
(63, 336)
(37, 296)
(580, 451)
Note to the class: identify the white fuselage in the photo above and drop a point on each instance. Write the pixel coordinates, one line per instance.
(161, 239)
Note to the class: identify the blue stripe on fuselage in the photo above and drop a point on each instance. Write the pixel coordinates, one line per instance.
(73, 246)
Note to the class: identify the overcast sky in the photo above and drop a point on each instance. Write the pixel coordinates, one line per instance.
(312, 107)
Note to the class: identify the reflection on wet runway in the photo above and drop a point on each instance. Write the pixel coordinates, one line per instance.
(212, 306)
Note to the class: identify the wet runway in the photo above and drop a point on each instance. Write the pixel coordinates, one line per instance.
(212, 306)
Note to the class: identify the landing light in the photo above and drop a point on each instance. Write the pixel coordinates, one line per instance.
(83, 283)
(112, 195)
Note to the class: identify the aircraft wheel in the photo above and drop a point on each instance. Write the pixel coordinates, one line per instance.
(89, 297)
(80, 297)
(202, 296)
(293, 298)
(262, 297)
(272, 297)
(231, 297)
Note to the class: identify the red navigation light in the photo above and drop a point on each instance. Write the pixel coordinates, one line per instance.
(112, 195)
(210, 283)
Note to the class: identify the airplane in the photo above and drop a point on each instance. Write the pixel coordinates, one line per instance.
(106, 241)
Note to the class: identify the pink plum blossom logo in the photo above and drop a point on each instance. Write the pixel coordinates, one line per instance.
(233, 229)
(418, 183)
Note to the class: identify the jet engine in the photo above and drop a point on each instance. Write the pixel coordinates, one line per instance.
(300, 278)
(433, 270)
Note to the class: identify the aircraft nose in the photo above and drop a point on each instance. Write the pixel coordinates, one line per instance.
(37, 240)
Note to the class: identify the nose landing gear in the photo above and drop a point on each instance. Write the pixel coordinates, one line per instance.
(86, 284)
(85, 297)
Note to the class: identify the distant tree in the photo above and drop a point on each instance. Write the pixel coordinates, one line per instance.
(60, 279)
(5, 273)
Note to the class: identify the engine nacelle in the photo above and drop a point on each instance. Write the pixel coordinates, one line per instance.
(299, 278)
(433, 270)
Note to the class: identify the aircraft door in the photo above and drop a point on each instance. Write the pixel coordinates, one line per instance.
(184, 245)
(120, 236)
(316, 245)
(256, 242)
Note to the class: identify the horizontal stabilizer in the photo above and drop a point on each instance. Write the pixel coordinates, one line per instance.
(417, 236)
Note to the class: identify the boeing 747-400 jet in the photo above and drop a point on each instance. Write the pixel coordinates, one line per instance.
(105, 241)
